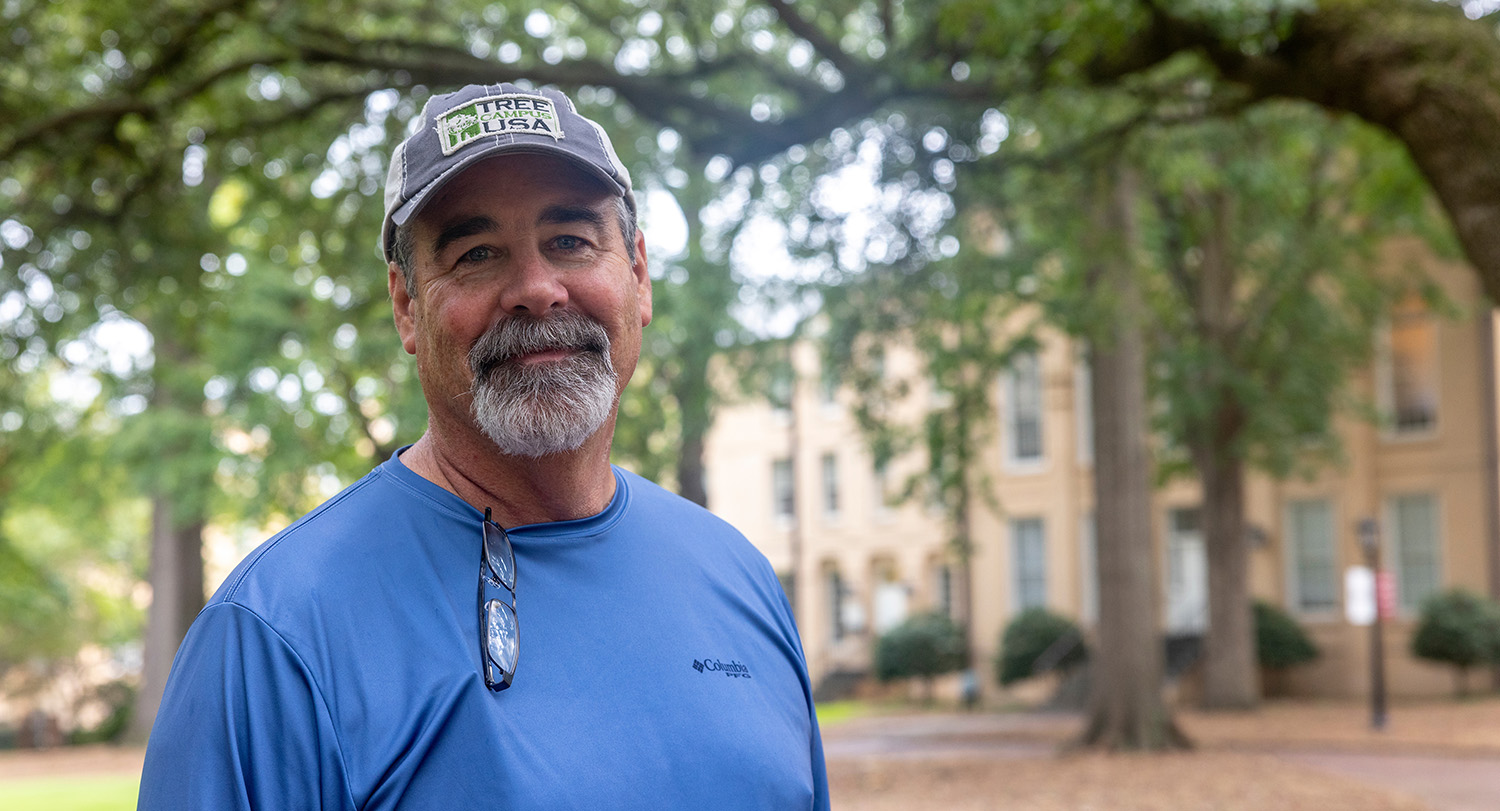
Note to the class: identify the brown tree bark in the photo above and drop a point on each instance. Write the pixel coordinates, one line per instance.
(691, 385)
(1229, 669)
(1126, 710)
(176, 598)
(1229, 672)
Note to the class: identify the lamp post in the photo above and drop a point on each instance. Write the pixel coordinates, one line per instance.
(1369, 543)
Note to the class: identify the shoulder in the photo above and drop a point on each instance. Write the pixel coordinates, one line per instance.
(671, 519)
(654, 502)
(377, 518)
(305, 545)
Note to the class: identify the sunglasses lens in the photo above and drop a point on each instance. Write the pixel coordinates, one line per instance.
(501, 638)
(498, 553)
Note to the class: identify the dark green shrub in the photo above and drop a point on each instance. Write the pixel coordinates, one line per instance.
(1031, 634)
(924, 646)
(119, 697)
(1279, 641)
(1459, 628)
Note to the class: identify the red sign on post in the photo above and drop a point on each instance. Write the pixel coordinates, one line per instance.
(1385, 593)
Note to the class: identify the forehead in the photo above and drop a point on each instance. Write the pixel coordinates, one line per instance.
(518, 184)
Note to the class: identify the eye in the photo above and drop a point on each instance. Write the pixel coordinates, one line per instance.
(568, 242)
(476, 254)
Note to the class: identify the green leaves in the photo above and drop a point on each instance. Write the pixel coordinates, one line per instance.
(1279, 641)
(211, 172)
(1267, 236)
(37, 609)
(1037, 641)
(924, 646)
(1460, 628)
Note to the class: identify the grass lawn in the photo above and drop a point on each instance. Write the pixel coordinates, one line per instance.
(832, 712)
(64, 793)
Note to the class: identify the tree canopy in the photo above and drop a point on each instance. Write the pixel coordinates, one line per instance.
(203, 178)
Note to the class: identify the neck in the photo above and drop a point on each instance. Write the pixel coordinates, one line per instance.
(521, 490)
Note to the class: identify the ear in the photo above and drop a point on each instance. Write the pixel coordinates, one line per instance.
(642, 277)
(401, 306)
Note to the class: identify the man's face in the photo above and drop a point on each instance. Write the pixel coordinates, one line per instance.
(528, 314)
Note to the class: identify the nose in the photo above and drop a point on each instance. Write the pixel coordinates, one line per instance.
(533, 286)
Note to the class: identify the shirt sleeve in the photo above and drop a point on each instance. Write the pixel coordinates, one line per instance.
(242, 725)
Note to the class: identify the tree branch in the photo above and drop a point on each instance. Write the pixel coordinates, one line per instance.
(803, 28)
(1419, 69)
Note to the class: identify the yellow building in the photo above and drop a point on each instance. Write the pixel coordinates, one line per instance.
(800, 482)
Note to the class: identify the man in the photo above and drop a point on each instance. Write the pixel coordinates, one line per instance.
(625, 649)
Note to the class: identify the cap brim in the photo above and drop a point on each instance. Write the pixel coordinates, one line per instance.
(406, 211)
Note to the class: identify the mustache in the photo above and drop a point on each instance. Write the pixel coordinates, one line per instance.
(518, 335)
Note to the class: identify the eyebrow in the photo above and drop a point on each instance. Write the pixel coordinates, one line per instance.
(551, 215)
(463, 228)
(563, 214)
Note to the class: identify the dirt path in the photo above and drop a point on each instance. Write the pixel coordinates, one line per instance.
(1286, 756)
(1445, 783)
(1440, 758)
(74, 760)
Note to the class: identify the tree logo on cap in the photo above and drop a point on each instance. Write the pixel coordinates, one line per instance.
(509, 114)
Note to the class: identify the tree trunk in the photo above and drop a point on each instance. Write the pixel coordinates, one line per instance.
(1229, 649)
(1126, 710)
(176, 598)
(709, 290)
(963, 538)
(690, 465)
(1229, 667)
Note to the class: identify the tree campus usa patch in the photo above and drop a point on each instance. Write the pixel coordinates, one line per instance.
(497, 115)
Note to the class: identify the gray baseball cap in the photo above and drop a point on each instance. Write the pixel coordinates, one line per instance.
(481, 121)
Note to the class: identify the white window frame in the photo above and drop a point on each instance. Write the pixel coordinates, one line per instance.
(937, 397)
(1010, 415)
(880, 481)
(834, 592)
(1180, 615)
(782, 393)
(828, 394)
(784, 519)
(1385, 384)
(1088, 568)
(831, 497)
(1019, 578)
(1083, 416)
(944, 596)
(1293, 546)
(1392, 542)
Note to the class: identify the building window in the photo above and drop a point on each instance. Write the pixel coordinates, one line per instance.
(788, 582)
(882, 493)
(1310, 538)
(1029, 562)
(942, 601)
(829, 389)
(783, 492)
(781, 390)
(1088, 569)
(834, 586)
(1414, 547)
(1083, 409)
(892, 597)
(1187, 573)
(938, 397)
(1409, 369)
(830, 487)
(1021, 433)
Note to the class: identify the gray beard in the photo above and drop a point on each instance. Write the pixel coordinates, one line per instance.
(535, 411)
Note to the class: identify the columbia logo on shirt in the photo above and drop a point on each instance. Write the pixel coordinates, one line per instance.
(732, 669)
